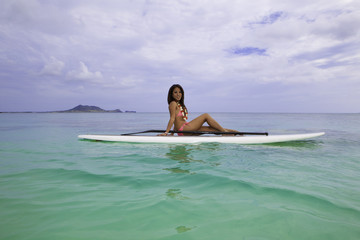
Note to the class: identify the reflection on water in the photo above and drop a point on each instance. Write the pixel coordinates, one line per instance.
(176, 194)
(186, 154)
(180, 153)
(182, 229)
(178, 170)
(190, 157)
(310, 144)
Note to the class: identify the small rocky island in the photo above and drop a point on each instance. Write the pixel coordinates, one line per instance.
(81, 109)
(90, 109)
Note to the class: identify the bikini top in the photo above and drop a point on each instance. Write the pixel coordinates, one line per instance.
(182, 112)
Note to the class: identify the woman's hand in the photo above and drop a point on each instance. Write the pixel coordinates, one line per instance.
(163, 134)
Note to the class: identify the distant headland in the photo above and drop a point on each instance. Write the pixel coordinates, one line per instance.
(89, 109)
(82, 109)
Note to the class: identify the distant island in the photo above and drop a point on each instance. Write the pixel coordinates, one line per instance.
(90, 109)
(82, 109)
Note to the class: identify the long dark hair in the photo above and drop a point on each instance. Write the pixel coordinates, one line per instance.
(170, 97)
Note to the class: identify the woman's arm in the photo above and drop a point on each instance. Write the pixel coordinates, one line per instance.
(172, 110)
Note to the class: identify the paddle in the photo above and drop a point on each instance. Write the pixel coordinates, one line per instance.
(198, 132)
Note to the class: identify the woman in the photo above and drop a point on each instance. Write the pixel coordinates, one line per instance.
(179, 115)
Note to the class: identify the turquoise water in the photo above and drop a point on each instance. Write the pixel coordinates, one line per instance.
(54, 186)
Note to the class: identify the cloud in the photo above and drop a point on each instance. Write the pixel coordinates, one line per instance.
(340, 25)
(39, 16)
(322, 56)
(83, 74)
(213, 48)
(53, 67)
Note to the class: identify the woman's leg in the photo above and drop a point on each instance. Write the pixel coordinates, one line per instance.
(210, 129)
(197, 124)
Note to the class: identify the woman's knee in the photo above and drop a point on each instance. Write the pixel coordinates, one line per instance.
(206, 115)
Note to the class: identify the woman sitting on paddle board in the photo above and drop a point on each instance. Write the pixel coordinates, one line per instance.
(179, 115)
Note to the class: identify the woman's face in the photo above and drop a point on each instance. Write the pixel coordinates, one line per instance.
(177, 94)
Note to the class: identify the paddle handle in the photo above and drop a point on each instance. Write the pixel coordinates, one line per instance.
(200, 132)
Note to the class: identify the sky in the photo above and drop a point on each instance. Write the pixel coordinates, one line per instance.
(229, 55)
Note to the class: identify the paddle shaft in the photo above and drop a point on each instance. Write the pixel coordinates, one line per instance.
(198, 132)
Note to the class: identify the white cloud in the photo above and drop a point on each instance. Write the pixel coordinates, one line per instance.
(53, 67)
(39, 16)
(83, 73)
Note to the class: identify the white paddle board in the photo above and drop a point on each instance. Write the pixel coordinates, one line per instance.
(202, 139)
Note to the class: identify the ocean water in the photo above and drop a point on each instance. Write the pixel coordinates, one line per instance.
(54, 186)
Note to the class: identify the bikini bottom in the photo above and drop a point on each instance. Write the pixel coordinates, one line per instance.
(182, 128)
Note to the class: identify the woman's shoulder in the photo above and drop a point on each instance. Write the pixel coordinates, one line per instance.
(172, 103)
